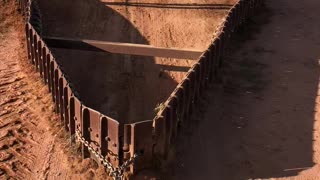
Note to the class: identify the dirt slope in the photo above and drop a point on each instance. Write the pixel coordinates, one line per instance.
(32, 142)
(264, 122)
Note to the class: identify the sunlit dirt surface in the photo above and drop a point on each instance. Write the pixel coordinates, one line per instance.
(33, 144)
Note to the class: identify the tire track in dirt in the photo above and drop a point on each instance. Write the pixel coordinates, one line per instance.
(14, 134)
(25, 106)
(33, 144)
(19, 102)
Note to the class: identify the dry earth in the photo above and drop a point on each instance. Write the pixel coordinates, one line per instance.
(264, 122)
(32, 143)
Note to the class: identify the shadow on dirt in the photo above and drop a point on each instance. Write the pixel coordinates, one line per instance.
(125, 87)
(260, 124)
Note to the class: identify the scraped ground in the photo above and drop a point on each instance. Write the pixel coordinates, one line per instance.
(32, 143)
(264, 122)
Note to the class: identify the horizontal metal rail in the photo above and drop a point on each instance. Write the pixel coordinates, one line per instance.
(194, 6)
(121, 48)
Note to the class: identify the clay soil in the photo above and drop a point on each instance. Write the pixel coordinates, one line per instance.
(33, 144)
(263, 123)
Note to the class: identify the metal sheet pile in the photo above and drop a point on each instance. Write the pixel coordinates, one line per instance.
(120, 144)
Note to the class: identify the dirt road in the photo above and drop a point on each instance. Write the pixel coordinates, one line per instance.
(264, 122)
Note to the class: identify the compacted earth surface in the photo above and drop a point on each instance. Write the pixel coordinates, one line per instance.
(263, 123)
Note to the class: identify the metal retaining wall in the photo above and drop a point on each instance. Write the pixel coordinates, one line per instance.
(156, 137)
(151, 139)
(100, 130)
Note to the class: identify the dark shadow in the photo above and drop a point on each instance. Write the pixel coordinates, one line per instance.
(172, 5)
(174, 68)
(260, 122)
(126, 88)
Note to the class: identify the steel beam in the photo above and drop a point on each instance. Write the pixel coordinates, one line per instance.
(122, 48)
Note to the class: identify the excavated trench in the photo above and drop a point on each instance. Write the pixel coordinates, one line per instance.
(128, 87)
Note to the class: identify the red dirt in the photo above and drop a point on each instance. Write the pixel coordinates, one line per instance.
(32, 142)
(264, 122)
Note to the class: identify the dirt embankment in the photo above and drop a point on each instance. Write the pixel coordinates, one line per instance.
(128, 88)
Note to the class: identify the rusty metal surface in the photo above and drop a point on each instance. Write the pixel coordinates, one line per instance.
(61, 99)
(34, 48)
(112, 138)
(85, 128)
(68, 117)
(27, 29)
(141, 141)
(77, 114)
(150, 139)
(39, 50)
(72, 117)
(44, 63)
(50, 61)
(122, 48)
(65, 100)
